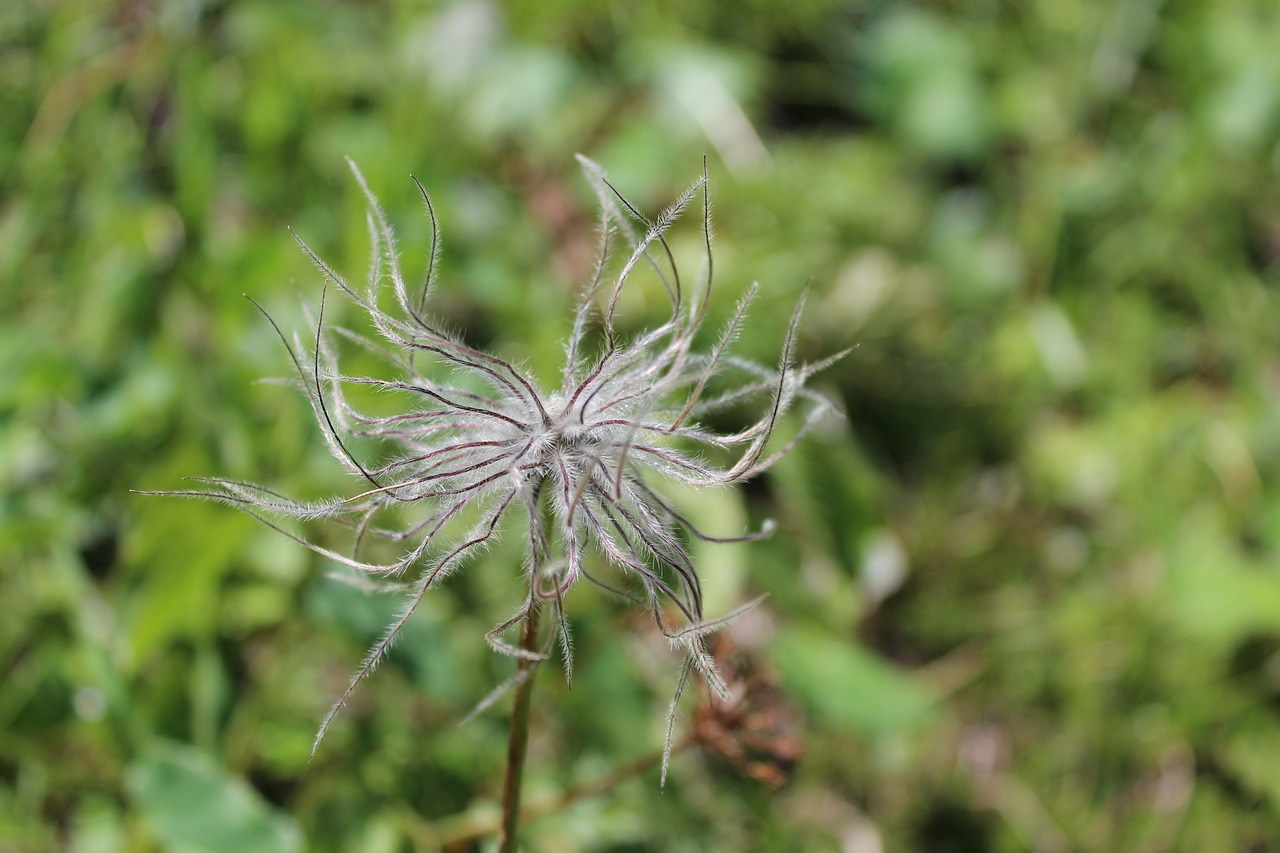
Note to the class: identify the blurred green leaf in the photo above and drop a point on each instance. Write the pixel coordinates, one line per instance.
(849, 686)
(192, 805)
(924, 81)
(175, 601)
(1220, 595)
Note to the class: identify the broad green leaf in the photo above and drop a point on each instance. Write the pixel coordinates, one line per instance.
(848, 685)
(193, 805)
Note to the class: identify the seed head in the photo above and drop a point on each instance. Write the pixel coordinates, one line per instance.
(581, 464)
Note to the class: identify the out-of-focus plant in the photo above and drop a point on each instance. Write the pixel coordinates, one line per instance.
(477, 440)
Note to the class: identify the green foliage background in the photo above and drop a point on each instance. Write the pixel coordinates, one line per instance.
(1027, 597)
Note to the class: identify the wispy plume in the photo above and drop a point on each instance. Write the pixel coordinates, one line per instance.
(582, 466)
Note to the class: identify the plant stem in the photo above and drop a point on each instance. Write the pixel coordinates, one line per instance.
(518, 740)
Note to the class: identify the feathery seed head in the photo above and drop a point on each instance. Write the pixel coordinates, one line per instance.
(581, 465)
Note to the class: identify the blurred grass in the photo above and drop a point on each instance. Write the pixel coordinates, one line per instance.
(1027, 596)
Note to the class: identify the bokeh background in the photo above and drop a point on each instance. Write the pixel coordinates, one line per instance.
(1025, 597)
